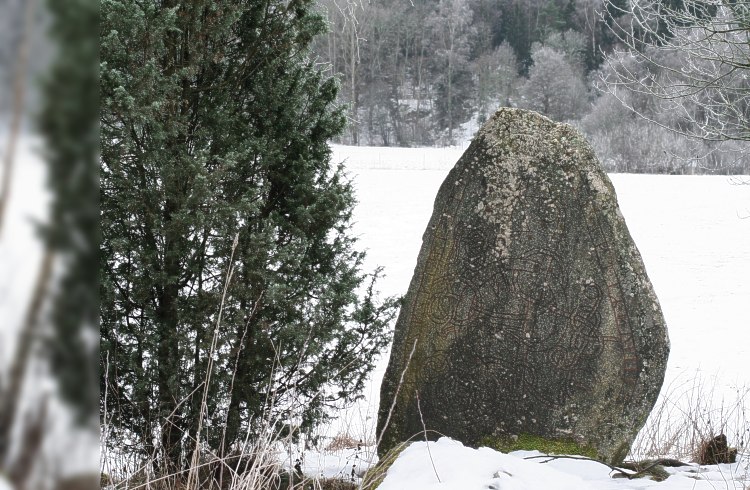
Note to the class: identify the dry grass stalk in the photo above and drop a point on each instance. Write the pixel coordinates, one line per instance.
(690, 412)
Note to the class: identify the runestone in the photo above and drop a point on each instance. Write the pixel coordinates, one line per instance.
(530, 310)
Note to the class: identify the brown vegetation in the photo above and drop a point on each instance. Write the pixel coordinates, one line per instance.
(716, 451)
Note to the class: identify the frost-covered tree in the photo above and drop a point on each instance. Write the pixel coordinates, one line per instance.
(451, 28)
(496, 81)
(626, 143)
(231, 292)
(691, 57)
(571, 43)
(555, 86)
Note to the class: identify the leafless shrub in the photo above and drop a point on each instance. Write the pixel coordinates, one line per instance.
(343, 441)
(691, 411)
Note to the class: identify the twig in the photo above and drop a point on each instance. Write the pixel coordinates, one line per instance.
(192, 475)
(32, 440)
(234, 375)
(104, 462)
(17, 372)
(395, 396)
(426, 440)
(669, 462)
(551, 457)
(629, 476)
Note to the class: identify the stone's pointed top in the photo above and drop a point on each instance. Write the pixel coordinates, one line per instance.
(530, 306)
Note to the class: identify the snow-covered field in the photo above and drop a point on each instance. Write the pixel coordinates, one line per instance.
(692, 234)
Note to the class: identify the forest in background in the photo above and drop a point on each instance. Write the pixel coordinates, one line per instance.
(429, 72)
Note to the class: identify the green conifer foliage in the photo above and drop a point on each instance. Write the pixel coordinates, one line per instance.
(68, 121)
(216, 172)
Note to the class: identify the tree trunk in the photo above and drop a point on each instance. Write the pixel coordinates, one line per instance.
(450, 88)
(353, 81)
(11, 396)
(168, 353)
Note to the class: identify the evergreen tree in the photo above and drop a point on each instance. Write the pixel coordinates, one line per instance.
(518, 32)
(226, 260)
(68, 121)
(552, 17)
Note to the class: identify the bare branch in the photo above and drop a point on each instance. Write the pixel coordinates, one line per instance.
(19, 93)
(692, 61)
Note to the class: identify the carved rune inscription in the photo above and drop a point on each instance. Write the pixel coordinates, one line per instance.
(510, 321)
(529, 305)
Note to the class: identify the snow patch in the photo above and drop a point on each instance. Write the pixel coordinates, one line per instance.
(449, 465)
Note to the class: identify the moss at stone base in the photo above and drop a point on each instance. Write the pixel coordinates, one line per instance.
(619, 455)
(657, 473)
(531, 442)
(375, 475)
(645, 469)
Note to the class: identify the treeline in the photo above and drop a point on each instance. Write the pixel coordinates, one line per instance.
(429, 72)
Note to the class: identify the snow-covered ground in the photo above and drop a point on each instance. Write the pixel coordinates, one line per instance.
(692, 234)
(448, 465)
